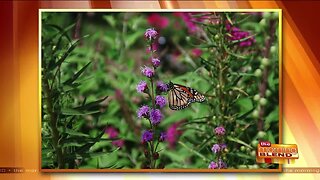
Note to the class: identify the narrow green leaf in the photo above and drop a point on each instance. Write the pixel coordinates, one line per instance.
(238, 141)
(273, 116)
(243, 39)
(75, 133)
(64, 56)
(76, 75)
(61, 31)
(229, 19)
(194, 152)
(86, 147)
(204, 143)
(74, 112)
(91, 104)
(235, 55)
(243, 116)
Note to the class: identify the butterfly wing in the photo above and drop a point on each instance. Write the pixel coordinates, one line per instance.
(180, 97)
(196, 96)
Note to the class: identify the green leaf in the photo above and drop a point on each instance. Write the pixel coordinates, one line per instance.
(191, 150)
(204, 143)
(229, 19)
(245, 104)
(62, 31)
(86, 147)
(238, 141)
(243, 39)
(76, 75)
(100, 144)
(110, 19)
(132, 38)
(243, 116)
(273, 116)
(91, 104)
(272, 82)
(74, 133)
(241, 155)
(271, 137)
(73, 112)
(74, 144)
(234, 54)
(66, 54)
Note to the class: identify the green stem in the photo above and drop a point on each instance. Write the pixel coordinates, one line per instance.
(53, 125)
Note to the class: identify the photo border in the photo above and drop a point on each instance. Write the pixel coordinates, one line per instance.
(279, 170)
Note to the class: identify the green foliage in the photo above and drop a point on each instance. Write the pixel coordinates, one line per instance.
(91, 66)
(64, 145)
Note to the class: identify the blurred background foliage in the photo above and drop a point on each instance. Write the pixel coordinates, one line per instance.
(91, 65)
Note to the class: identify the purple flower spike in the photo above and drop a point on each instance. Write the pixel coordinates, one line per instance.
(216, 148)
(163, 136)
(221, 164)
(147, 71)
(143, 112)
(150, 34)
(142, 86)
(220, 131)
(155, 116)
(213, 165)
(160, 101)
(223, 146)
(155, 62)
(162, 87)
(147, 136)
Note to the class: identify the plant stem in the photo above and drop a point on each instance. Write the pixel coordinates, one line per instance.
(264, 81)
(53, 125)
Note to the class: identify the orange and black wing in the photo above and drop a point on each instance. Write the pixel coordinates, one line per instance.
(180, 97)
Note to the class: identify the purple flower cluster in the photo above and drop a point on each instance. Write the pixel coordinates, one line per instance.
(155, 116)
(155, 62)
(147, 71)
(217, 165)
(151, 34)
(218, 147)
(143, 111)
(242, 36)
(147, 136)
(162, 87)
(213, 165)
(163, 136)
(160, 101)
(142, 87)
(220, 131)
(152, 113)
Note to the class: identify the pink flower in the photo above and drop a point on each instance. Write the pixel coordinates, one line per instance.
(112, 132)
(158, 21)
(173, 134)
(188, 20)
(118, 143)
(196, 52)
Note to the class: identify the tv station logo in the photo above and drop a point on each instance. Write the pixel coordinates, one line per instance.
(276, 153)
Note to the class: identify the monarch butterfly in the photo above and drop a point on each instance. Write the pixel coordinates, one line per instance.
(180, 96)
